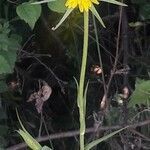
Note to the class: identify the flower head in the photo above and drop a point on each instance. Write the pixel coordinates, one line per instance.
(84, 5)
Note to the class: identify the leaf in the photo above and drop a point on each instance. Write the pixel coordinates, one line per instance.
(30, 141)
(135, 24)
(57, 6)
(42, 2)
(4, 40)
(17, 38)
(9, 44)
(141, 94)
(114, 2)
(67, 13)
(46, 148)
(20, 121)
(3, 88)
(6, 25)
(95, 142)
(95, 13)
(29, 13)
(10, 58)
(8, 41)
(145, 11)
(4, 29)
(4, 66)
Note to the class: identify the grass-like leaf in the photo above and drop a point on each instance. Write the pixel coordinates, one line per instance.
(42, 2)
(30, 141)
(94, 143)
(46, 148)
(114, 2)
(67, 13)
(95, 13)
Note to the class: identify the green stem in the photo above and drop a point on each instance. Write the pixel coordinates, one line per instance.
(80, 98)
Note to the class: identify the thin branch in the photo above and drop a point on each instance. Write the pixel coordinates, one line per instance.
(13, 2)
(104, 103)
(76, 133)
(91, 37)
(99, 54)
(140, 134)
(60, 82)
(117, 51)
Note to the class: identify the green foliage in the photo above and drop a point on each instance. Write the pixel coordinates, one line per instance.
(7, 61)
(42, 2)
(28, 12)
(144, 8)
(95, 13)
(141, 94)
(96, 142)
(30, 141)
(57, 6)
(7, 40)
(4, 66)
(9, 44)
(135, 24)
(31, 11)
(114, 2)
(67, 13)
(46, 148)
(145, 11)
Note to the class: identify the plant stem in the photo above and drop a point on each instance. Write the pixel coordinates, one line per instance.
(81, 100)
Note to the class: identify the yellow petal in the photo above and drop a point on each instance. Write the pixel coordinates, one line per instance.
(83, 5)
(95, 2)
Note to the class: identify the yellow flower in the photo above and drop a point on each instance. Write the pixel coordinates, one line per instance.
(84, 5)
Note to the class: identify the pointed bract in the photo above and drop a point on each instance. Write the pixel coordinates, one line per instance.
(114, 2)
(95, 13)
(67, 13)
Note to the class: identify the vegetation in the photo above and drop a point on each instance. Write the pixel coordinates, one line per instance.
(77, 73)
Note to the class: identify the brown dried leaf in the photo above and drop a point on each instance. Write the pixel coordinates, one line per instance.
(46, 91)
(41, 96)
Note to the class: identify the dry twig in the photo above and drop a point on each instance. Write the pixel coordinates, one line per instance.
(76, 133)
